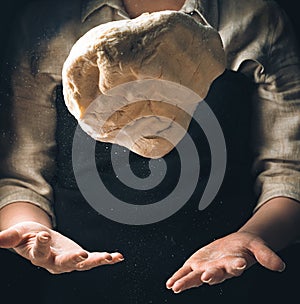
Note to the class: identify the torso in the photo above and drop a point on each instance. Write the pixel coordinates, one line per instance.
(138, 7)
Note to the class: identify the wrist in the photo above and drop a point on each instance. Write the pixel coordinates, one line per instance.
(276, 222)
(18, 212)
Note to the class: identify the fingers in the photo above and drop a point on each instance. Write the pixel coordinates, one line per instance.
(182, 272)
(82, 260)
(198, 277)
(10, 238)
(192, 279)
(267, 257)
(215, 276)
(235, 266)
(213, 272)
(95, 259)
(67, 262)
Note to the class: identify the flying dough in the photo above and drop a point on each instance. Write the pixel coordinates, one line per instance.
(137, 82)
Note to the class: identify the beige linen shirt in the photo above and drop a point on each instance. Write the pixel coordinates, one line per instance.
(258, 41)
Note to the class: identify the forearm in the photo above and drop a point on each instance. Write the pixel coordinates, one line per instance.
(20, 212)
(277, 222)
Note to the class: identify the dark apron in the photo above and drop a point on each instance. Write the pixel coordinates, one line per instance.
(153, 252)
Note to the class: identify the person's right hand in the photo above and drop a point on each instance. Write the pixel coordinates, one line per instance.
(51, 250)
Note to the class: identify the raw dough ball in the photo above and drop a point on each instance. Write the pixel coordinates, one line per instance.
(137, 82)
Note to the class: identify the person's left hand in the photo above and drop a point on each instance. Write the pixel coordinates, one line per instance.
(223, 259)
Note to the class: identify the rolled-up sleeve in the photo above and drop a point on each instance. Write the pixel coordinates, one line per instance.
(28, 122)
(276, 125)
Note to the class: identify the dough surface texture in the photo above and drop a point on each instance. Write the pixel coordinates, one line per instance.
(137, 83)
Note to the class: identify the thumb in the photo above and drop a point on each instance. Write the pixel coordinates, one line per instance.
(10, 238)
(41, 248)
(267, 257)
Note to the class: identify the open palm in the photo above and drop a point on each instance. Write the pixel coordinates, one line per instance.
(51, 250)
